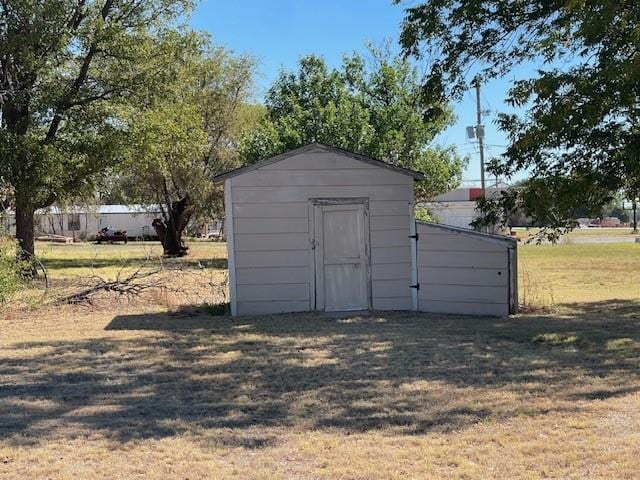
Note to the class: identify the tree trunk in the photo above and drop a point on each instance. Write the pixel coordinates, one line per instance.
(173, 245)
(170, 230)
(24, 234)
(24, 226)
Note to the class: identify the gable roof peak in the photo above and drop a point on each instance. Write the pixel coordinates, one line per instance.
(323, 146)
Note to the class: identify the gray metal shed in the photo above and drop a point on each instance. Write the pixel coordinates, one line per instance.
(466, 272)
(321, 228)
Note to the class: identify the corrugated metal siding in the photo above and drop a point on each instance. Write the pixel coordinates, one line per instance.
(463, 273)
(271, 229)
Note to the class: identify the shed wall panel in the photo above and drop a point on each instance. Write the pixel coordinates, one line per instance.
(283, 258)
(272, 236)
(495, 277)
(391, 238)
(457, 243)
(302, 194)
(270, 210)
(464, 293)
(270, 242)
(391, 271)
(271, 225)
(266, 308)
(462, 308)
(389, 207)
(273, 292)
(389, 222)
(269, 275)
(319, 160)
(458, 259)
(391, 288)
(462, 272)
(322, 177)
(386, 255)
(392, 303)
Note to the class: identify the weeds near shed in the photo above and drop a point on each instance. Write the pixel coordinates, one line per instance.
(534, 295)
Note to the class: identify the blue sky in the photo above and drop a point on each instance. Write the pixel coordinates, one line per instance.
(278, 32)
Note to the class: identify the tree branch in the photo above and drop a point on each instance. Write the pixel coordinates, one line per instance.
(66, 101)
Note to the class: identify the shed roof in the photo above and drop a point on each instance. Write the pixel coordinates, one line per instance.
(316, 145)
(488, 237)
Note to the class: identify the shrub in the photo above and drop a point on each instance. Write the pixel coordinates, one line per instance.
(424, 215)
(11, 278)
(217, 309)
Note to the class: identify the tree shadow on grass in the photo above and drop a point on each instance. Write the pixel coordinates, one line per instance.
(243, 380)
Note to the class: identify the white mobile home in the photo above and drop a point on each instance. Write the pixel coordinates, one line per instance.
(320, 228)
(83, 223)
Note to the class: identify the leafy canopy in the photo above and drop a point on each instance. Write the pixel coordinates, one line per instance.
(579, 137)
(374, 107)
(187, 132)
(68, 68)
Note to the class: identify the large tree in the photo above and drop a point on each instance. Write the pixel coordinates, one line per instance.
(66, 69)
(579, 135)
(372, 106)
(183, 136)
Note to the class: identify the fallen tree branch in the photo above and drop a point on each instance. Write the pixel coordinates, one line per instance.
(128, 285)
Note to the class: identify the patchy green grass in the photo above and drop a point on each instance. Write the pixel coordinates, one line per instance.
(139, 390)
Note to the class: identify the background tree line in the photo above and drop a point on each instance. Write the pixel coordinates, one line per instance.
(119, 100)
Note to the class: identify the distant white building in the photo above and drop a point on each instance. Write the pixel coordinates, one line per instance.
(83, 223)
(457, 207)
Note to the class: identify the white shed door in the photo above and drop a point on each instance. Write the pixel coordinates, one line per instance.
(341, 273)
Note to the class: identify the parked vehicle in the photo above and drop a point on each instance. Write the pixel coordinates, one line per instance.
(107, 234)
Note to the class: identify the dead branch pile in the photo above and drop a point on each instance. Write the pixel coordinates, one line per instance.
(165, 284)
(124, 285)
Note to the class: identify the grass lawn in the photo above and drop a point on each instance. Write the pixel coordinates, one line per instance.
(141, 390)
(579, 233)
(81, 259)
(566, 274)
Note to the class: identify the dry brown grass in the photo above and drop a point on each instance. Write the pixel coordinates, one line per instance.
(129, 390)
(577, 273)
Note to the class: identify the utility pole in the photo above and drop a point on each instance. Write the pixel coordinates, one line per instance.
(480, 135)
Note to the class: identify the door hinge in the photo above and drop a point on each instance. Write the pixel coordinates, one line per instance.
(414, 236)
(416, 286)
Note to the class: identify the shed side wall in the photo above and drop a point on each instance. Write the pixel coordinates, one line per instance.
(461, 274)
(271, 230)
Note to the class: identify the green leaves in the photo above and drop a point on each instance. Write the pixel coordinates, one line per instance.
(579, 136)
(186, 131)
(375, 107)
(69, 71)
